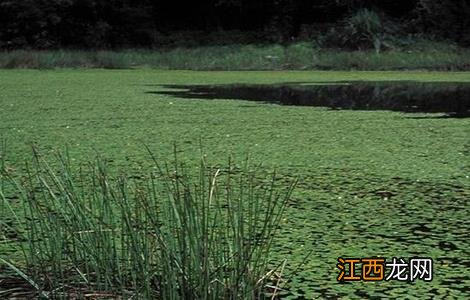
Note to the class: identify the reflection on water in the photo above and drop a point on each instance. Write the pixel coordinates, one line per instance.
(453, 99)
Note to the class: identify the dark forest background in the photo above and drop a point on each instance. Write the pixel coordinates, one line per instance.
(51, 24)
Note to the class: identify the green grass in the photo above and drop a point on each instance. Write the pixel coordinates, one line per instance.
(165, 234)
(300, 56)
(343, 158)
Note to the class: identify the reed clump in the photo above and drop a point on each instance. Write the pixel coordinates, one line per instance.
(174, 232)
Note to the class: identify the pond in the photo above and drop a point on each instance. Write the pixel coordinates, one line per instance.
(449, 98)
(416, 218)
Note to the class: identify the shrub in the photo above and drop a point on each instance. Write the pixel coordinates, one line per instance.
(363, 30)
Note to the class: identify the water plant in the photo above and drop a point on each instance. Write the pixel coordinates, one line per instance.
(173, 232)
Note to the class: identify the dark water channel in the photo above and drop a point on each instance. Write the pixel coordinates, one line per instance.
(452, 99)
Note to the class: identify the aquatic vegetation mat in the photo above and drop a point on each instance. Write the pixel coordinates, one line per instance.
(372, 182)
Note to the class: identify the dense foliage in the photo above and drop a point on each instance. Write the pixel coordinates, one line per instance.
(146, 23)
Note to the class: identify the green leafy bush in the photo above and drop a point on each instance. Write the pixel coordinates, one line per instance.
(363, 30)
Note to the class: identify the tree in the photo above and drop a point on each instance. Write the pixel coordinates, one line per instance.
(450, 19)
